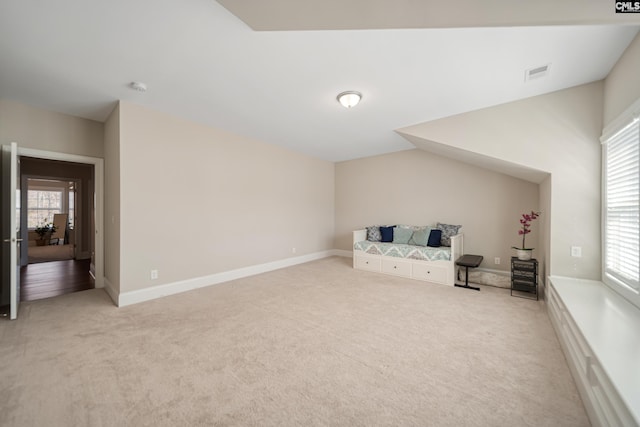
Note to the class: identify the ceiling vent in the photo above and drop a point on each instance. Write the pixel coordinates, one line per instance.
(536, 73)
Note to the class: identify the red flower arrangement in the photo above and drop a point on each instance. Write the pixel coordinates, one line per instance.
(525, 221)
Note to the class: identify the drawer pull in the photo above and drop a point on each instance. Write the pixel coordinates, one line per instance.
(395, 266)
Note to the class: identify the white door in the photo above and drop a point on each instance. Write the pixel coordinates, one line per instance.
(10, 228)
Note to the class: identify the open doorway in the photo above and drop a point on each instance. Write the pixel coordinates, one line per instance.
(57, 212)
(51, 219)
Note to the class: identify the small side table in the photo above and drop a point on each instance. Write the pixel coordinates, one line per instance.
(469, 261)
(524, 278)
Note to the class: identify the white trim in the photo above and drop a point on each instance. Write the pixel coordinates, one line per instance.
(108, 287)
(98, 172)
(14, 255)
(147, 294)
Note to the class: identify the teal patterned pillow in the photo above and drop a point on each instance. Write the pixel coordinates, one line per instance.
(402, 235)
(420, 237)
(373, 233)
(448, 231)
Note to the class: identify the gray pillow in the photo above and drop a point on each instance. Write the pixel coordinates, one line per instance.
(373, 233)
(402, 235)
(448, 231)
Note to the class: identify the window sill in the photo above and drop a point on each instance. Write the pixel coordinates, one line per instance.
(599, 332)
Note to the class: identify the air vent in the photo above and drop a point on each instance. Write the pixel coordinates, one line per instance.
(536, 73)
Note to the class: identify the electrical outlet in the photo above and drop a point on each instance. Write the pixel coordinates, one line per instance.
(154, 274)
(496, 260)
(293, 250)
(576, 251)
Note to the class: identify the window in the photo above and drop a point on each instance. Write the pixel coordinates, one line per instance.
(42, 204)
(621, 236)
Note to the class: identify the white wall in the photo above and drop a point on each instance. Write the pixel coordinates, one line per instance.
(556, 133)
(196, 201)
(418, 188)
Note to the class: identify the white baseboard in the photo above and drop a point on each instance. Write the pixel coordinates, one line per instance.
(110, 291)
(147, 294)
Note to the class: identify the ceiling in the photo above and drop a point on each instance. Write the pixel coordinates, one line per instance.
(289, 15)
(203, 63)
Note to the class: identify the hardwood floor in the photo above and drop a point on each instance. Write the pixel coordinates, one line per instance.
(50, 279)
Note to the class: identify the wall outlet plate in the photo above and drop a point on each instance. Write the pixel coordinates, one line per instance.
(576, 251)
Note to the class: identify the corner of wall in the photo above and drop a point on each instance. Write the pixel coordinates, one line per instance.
(112, 203)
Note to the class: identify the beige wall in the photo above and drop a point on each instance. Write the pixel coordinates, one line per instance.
(260, 190)
(39, 129)
(418, 188)
(112, 200)
(195, 200)
(622, 85)
(557, 133)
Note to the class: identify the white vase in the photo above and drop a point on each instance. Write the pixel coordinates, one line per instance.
(524, 254)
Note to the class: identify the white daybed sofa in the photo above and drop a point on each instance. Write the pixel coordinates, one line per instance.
(430, 264)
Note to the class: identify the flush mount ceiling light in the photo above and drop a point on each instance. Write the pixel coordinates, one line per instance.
(349, 98)
(138, 86)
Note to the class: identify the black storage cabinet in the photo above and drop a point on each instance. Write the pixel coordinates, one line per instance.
(524, 278)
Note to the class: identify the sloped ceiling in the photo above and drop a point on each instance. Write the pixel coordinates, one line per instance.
(296, 15)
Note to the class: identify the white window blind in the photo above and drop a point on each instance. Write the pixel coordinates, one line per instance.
(622, 190)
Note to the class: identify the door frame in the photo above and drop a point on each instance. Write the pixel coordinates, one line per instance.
(98, 172)
(11, 170)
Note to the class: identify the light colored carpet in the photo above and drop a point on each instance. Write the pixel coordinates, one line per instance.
(318, 344)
